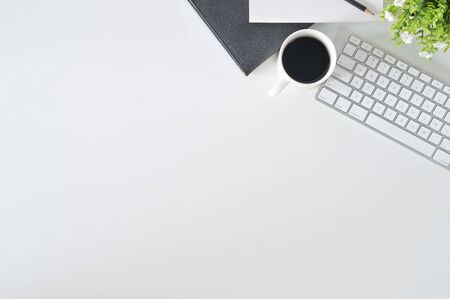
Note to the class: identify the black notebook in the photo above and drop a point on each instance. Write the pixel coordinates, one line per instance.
(247, 43)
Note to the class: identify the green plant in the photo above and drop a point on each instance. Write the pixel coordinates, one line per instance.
(427, 21)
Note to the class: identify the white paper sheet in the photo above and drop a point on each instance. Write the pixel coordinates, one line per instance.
(310, 11)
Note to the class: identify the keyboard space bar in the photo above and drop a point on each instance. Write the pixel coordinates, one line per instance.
(400, 135)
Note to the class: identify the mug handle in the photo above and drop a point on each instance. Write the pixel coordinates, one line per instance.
(278, 88)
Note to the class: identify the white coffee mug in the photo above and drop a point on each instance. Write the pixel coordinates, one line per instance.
(285, 79)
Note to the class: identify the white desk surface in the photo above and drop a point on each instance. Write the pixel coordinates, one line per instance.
(136, 161)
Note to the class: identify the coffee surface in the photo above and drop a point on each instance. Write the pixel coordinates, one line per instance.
(306, 60)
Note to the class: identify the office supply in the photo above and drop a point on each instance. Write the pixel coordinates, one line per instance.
(391, 97)
(248, 44)
(316, 11)
(361, 7)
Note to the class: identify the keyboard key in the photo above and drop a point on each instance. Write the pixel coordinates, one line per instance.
(361, 56)
(371, 76)
(402, 106)
(346, 62)
(446, 145)
(368, 88)
(367, 102)
(440, 98)
(356, 96)
(446, 130)
(424, 118)
(343, 104)
(442, 157)
(405, 94)
(358, 112)
(435, 138)
(379, 94)
(372, 61)
(428, 106)
(342, 74)
(424, 132)
(360, 70)
(357, 82)
(390, 114)
(447, 118)
(447, 89)
(327, 96)
(366, 46)
(401, 65)
(349, 50)
(383, 68)
(378, 52)
(429, 92)
(417, 100)
(383, 82)
(355, 40)
(379, 108)
(425, 78)
(413, 112)
(412, 126)
(437, 84)
(401, 120)
(436, 124)
(395, 74)
(413, 71)
(417, 86)
(338, 87)
(401, 135)
(390, 59)
(439, 112)
(391, 100)
(394, 88)
(406, 80)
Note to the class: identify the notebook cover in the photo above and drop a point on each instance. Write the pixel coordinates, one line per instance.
(248, 44)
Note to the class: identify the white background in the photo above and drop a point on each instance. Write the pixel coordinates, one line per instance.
(136, 161)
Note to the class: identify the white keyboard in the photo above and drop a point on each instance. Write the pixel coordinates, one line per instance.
(391, 97)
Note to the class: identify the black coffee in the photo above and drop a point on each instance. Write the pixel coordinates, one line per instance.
(306, 60)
